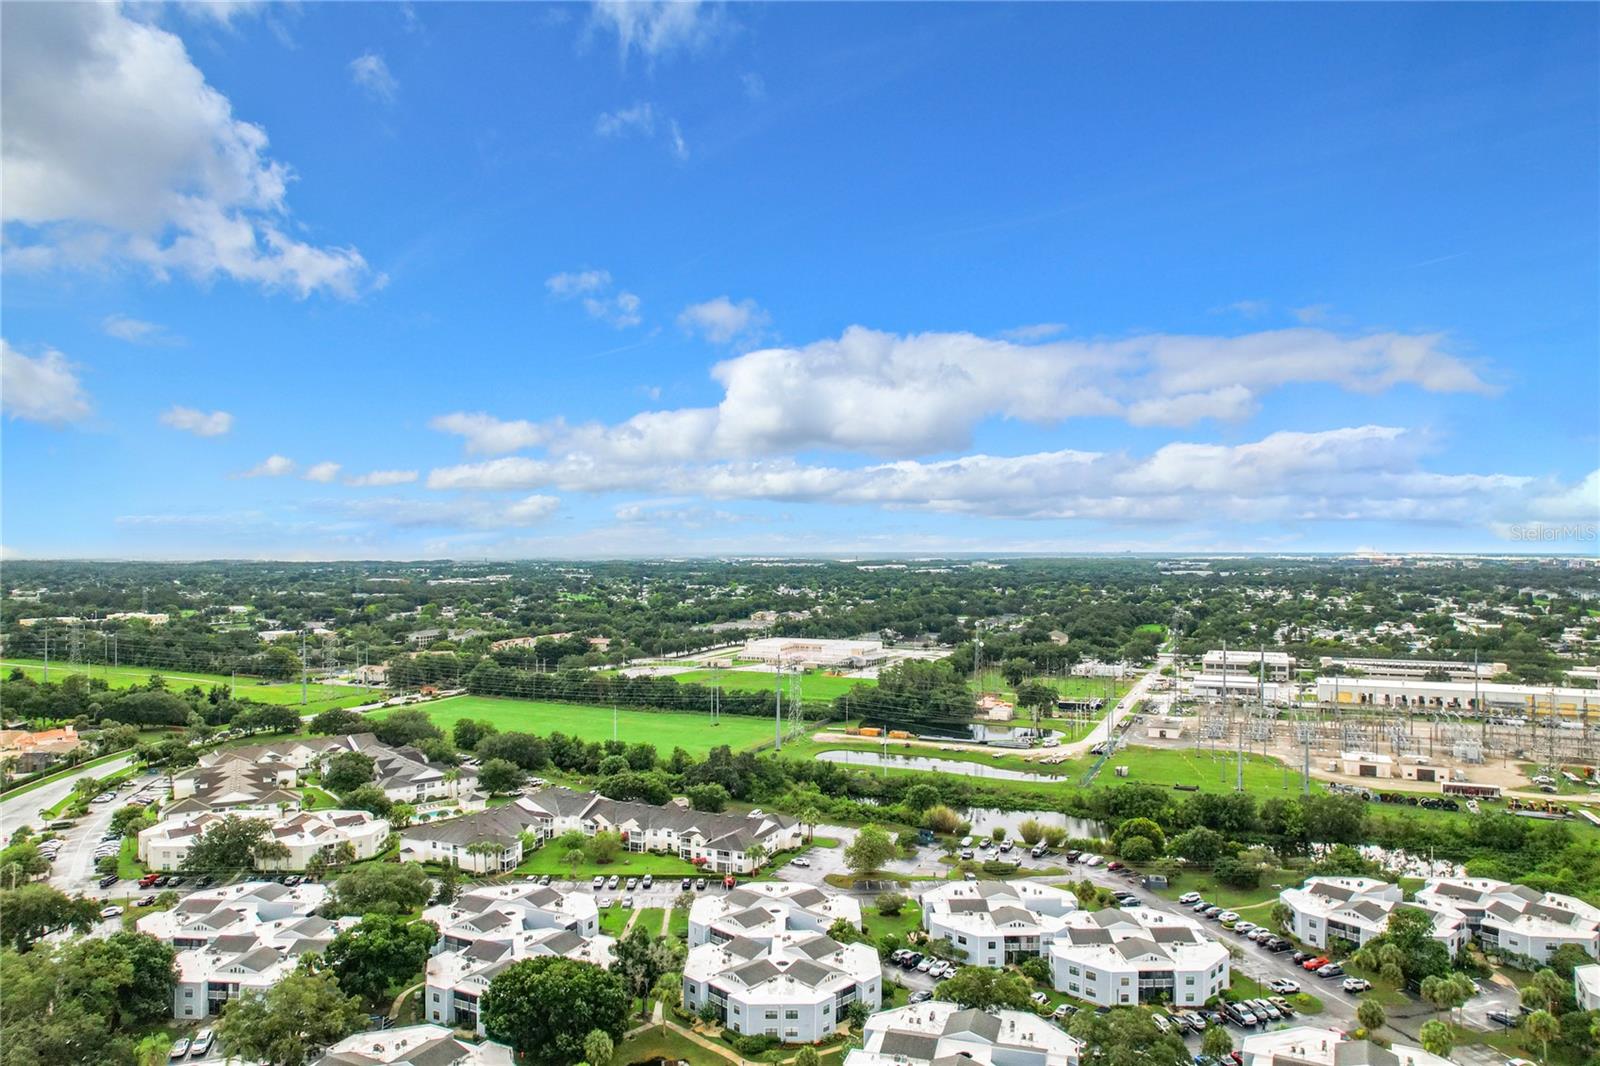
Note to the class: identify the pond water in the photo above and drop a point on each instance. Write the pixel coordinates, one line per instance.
(985, 819)
(943, 766)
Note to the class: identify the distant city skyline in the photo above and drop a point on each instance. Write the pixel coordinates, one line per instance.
(391, 281)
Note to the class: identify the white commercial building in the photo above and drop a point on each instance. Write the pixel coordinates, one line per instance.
(945, 1034)
(1239, 687)
(1117, 958)
(1416, 669)
(166, 844)
(1270, 666)
(996, 923)
(1456, 695)
(200, 917)
(1310, 1045)
(762, 910)
(1356, 909)
(1516, 920)
(413, 1045)
(492, 926)
(798, 987)
(1586, 986)
(809, 652)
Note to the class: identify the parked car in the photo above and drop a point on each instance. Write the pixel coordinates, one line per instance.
(599, 882)
(1279, 944)
(1333, 969)
(108, 880)
(1356, 985)
(179, 1050)
(627, 901)
(1212, 913)
(201, 1044)
(925, 965)
(613, 882)
(800, 861)
(1315, 964)
(1227, 916)
(922, 996)
(1063, 1012)
(699, 884)
(545, 880)
(1161, 1023)
(1284, 986)
(1114, 865)
(1239, 1014)
(111, 912)
(966, 853)
(939, 969)
(688, 883)
(1039, 999)
(1503, 1018)
(1189, 898)
(633, 883)
(647, 880)
(1244, 928)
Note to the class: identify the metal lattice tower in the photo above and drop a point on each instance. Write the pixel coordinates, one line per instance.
(75, 644)
(796, 708)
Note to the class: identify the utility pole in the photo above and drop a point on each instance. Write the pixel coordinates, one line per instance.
(47, 653)
(613, 721)
(302, 666)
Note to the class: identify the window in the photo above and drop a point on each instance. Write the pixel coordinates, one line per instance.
(961, 940)
(1188, 980)
(791, 1015)
(772, 1015)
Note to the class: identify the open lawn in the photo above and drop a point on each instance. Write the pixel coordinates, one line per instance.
(547, 860)
(128, 866)
(814, 684)
(1253, 904)
(614, 918)
(665, 729)
(1200, 767)
(990, 680)
(650, 920)
(318, 697)
(878, 925)
(656, 1044)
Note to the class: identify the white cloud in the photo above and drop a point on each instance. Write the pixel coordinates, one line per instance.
(323, 473)
(1244, 308)
(1357, 473)
(133, 330)
(1228, 403)
(755, 86)
(117, 150)
(468, 512)
(621, 310)
(657, 27)
(488, 435)
(199, 423)
(640, 118)
(44, 388)
(371, 73)
(1312, 314)
(1036, 332)
(680, 147)
(578, 282)
(722, 321)
(271, 466)
(383, 478)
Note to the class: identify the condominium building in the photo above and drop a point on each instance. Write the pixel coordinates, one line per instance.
(797, 987)
(487, 929)
(996, 923)
(404, 774)
(486, 841)
(762, 910)
(1515, 920)
(246, 962)
(1356, 909)
(1586, 986)
(165, 845)
(720, 843)
(1116, 958)
(200, 917)
(413, 1045)
(1310, 1045)
(943, 1034)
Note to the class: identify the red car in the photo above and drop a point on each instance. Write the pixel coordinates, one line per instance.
(1113, 866)
(147, 880)
(1316, 964)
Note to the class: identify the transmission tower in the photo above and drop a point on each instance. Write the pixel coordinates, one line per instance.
(796, 708)
(75, 645)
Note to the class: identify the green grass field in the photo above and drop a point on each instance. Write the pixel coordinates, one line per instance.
(318, 697)
(1198, 766)
(628, 864)
(814, 684)
(614, 917)
(665, 729)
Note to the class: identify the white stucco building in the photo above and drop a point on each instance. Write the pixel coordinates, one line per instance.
(808, 652)
(1516, 920)
(413, 1045)
(1309, 1045)
(1586, 986)
(1356, 909)
(166, 844)
(202, 916)
(996, 923)
(486, 841)
(1271, 666)
(936, 1032)
(797, 987)
(761, 910)
(1116, 958)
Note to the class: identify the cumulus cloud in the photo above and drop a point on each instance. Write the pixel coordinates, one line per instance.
(116, 150)
(323, 473)
(201, 424)
(382, 478)
(1355, 473)
(43, 388)
(721, 321)
(488, 435)
(577, 282)
(657, 27)
(371, 73)
(272, 466)
(621, 310)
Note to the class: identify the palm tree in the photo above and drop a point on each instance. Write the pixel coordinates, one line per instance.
(153, 1050)
(1371, 1015)
(1544, 1027)
(756, 852)
(452, 779)
(484, 848)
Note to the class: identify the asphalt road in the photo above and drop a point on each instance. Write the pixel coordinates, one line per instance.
(24, 809)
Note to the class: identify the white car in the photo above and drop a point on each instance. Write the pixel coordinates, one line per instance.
(1039, 999)
(1354, 985)
(1189, 897)
(1092, 860)
(1227, 916)
(1284, 987)
(111, 912)
(801, 862)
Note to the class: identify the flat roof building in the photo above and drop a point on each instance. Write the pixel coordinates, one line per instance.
(808, 652)
(1273, 665)
(1456, 695)
(413, 1045)
(1416, 669)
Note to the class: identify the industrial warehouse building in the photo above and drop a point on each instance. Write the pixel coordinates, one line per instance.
(1455, 695)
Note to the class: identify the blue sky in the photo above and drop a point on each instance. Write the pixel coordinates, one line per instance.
(372, 280)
